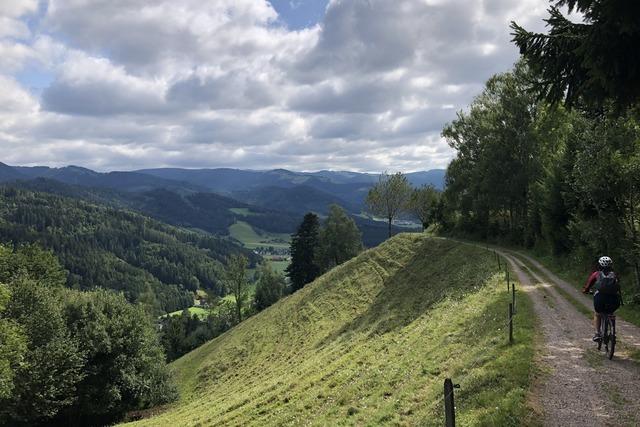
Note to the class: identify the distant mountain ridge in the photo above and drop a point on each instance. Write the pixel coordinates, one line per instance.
(76, 175)
(229, 180)
(217, 179)
(204, 199)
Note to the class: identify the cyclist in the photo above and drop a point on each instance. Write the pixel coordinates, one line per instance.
(607, 296)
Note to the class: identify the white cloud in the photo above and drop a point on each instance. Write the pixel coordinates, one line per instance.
(138, 83)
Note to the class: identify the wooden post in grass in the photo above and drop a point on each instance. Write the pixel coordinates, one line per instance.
(510, 323)
(513, 297)
(449, 406)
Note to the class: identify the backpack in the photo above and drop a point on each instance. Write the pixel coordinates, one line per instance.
(607, 283)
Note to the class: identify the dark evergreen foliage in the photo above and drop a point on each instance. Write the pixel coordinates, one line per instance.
(106, 247)
(304, 268)
(592, 61)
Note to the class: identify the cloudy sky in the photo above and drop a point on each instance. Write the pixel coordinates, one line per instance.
(302, 84)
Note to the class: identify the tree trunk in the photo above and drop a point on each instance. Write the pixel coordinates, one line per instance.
(390, 226)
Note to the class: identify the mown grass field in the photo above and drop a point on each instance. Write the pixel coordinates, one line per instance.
(370, 343)
(250, 239)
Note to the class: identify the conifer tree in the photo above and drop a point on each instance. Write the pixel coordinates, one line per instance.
(304, 243)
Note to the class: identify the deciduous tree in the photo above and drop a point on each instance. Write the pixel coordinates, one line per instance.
(236, 279)
(340, 239)
(269, 288)
(424, 204)
(389, 197)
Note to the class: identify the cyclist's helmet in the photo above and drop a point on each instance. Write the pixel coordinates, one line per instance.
(605, 262)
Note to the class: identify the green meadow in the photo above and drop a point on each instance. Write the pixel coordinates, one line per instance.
(370, 343)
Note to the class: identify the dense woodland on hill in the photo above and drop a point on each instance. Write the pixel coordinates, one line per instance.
(147, 260)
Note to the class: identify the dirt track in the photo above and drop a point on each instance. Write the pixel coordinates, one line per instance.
(579, 385)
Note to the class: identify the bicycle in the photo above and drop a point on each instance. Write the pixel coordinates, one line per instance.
(607, 333)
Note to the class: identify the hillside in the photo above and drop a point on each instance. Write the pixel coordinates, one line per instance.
(369, 343)
(299, 199)
(101, 246)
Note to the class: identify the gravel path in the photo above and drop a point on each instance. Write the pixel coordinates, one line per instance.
(581, 387)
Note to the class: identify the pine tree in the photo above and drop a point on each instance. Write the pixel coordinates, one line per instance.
(304, 243)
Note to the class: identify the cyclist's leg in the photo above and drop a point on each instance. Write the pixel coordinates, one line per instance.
(597, 318)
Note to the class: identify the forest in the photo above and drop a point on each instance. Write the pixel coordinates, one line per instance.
(69, 357)
(543, 176)
(101, 246)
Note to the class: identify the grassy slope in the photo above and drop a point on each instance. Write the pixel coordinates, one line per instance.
(250, 239)
(369, 343)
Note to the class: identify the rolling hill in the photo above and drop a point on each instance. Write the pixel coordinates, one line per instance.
(368, 343)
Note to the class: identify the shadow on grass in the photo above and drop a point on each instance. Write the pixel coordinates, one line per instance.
(417, 286)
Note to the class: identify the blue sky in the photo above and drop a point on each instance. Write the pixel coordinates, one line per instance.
(364, 85)
(298, 14)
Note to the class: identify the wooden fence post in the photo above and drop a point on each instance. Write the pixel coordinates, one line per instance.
(449, 404)
(508, 279)
(513, 297)
(510, 323)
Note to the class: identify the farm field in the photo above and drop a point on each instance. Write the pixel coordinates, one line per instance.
(274, 247)
(252, 239)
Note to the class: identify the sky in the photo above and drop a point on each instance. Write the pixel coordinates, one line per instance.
(362, 85)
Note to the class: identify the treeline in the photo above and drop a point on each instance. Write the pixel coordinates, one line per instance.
(541, 175)
(100, 246)
(70, 357)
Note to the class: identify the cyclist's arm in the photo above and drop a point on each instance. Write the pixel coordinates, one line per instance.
(590, 281)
